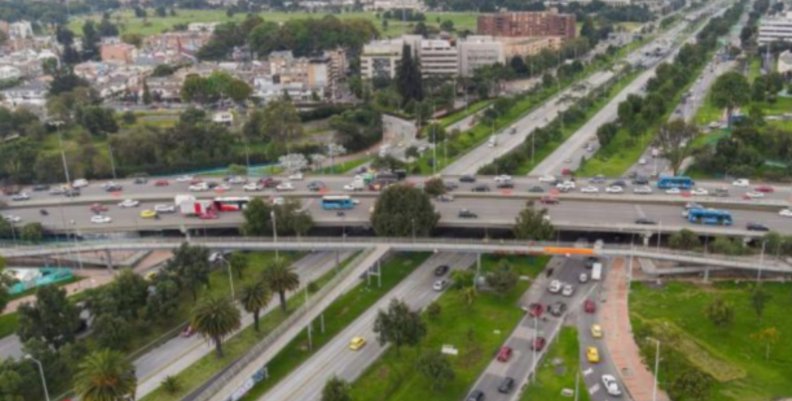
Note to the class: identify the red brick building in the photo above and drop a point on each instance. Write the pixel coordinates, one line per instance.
(527, 23)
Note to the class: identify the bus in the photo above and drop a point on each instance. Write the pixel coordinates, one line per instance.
(710, 217)
(231, 203)
(675, 182)
(337, 202)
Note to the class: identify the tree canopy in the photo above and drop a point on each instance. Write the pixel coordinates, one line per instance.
(402, 210)
(398, 325)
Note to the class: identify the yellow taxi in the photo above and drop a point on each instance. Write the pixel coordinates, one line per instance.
(592, 354)
(596, 331)
(357, 343)
(148, 214)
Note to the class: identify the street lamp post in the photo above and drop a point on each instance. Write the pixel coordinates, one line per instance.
(230, 276)
(275, 232)
(761, 262)
(656, 368)
(112, 160)
(41, 373)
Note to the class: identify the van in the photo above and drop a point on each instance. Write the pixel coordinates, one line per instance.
(596, 271)
(492, 142)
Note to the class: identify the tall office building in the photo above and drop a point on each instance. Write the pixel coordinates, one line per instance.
(527, 23)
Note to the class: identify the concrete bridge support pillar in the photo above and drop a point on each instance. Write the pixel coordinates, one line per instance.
(646, 237)
(706, 274)
(109, 259)
(478, 269)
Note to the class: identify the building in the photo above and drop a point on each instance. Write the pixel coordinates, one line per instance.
(527, 23)
(20, 30)
(479, 51)
(784, 62)
(438, 57)
(380, 58)
(384, 5)
(775, 29)
(528, 46)
(117, 52)
(28, 94)
(202, 26)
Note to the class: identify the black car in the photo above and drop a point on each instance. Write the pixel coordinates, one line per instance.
(114, 188)
(450, 186)
(645, 221)
(71, 193)
(441, 270)
(557, 309)
(467, 178)
(619, 183)
(140, 180)
(756, 227)
(505, 185)
(481, 188)
(590, 261)
(506, 385)
(640, 180)
(476, 395)
(721, 193)
(467, 214)
(536, 189)
(315, 186)
(41, 187)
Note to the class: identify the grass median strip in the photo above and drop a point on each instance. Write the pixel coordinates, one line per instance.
(558, 370)
(475, 329)
(9, 323)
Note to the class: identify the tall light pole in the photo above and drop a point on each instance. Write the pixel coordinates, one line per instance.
(112, 160)
(761, 262)
(57, 124)
(656, 368)
(41, 373)
(230, 276)
(275, 233)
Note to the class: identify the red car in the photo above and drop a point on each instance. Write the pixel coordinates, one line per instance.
(535, 310)
(505, 353)
(538, 343)
(589, 306)
(161, 183)
(566, 171)
(548, 200)
(98, 208)
(765, 189)
(269, 182)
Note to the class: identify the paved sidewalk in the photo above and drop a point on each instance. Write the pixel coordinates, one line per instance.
(615, 316)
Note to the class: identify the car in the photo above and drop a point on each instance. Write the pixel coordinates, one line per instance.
(353, 187)
(475, 395)
(504, 354)
(554, 287)
(592, 354)
(199, 187)
(185, 178)
(741, 182)
(699, 192)
(785, 212)
(764, 189)
(537, 343)
(164, 208)
(589, 262)
(756, 227)
(481, 188)
(673, 191)
(219, 187)
(536, 189)
(642, 189)
(71, 192)
(505, 185)
(506, 385)
(547, 178)
(445, 198)
(450, 186)
(589, 189)
(284, 186)
(557, 309)
(467, 214)
(357, 343)
(188, 331)
(614, 189)
(252, 187)
(721, 192)
(589, 306)
(148, 214)
(40, 187)
(298, 176)
(597, 179)
(642, 161)
(549, 200)
(128, 203)
(12, 219)
(161, 183)
(316, 186)
(611, 385)
(22, 196)
(269, 182)
(441, 270)
(80, 183)
(100, 219)
(568, 290)
(112, 187)
(618, 183)
(237, 180)
(568, 184)
(596, 330)
(535, 309)
(503, 178)
(693, 205)
(467, 178)
(645, 221)
(754, 195)
(583, 278)
(440, 285)
(98, 208)
(640, 180)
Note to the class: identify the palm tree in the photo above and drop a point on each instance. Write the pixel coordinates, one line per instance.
(255, 297)
(105, 375)
(281, 278)
(215, 318)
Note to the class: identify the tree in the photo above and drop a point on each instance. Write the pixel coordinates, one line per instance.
(408, 77)
(280, 277)
(171, 384)
(129, 117)
(469, 295)
(105, 375)
(190, 266)
(238, 263)
(146, 94)
(690, 384)
(336, 389)
(436, 368)
(32, 232)
(215, 318)
(675, 138)
(768, 336)
(402, 211)
(684, 239)
(90, 41)
(5, 282)
(533, 224)
(399, 325)
(112, 332)
(52, 319)
(255, 297)
(258, 218)
(503, 279)
(720, 312)
(281, 122)
(730, 90)
(759, 299)
(434, 186)
(433, 310)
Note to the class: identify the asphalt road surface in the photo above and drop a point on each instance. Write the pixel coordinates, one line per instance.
(335, 358)
(521, 364)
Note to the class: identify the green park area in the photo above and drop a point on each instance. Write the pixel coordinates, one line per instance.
(475, 323)
(718, 342)
(558, 370)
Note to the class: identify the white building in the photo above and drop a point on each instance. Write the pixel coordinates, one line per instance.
(384, 5)
(438, 57)
(20, 30)
(202, 26)
(9, 73)
(380, 57)
(479, 51)
(784, 62)
(775, 29)
(29, 94)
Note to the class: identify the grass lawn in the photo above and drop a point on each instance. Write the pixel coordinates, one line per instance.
(550, 380)
(236, 346)
(345, 167)
(461, 114)
(476, 330)
(728, 353)
(344, 310)
(128, 23)
(8, 324)
(754, 69)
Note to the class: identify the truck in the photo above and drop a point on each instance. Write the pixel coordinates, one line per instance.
(188, 205)
(596, 271)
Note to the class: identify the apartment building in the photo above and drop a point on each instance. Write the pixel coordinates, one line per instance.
(527, 23)
(775, 29)
(479, 51)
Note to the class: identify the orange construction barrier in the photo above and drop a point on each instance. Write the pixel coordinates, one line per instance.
(551, 250)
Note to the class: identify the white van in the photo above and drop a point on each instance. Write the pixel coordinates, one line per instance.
(493, 142)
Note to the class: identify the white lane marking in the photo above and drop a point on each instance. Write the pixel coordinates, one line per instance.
(588, 371)
(593, 389)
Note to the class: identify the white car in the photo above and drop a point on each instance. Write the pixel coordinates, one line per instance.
(236, 180)
(129, 203)
(285, 186)
(503, 178)
(199, 187)
(100, 219)
(278, 200)
(252, 187)
(296, 177)
(785, 213)
(673, 191)
(754, 195)
(583, 278)
(614, 189)
(185, 178)
(12, 219)
(566, 185)
(741, 182)
(642, 161)
(164, 208)
(353, 187)
(547, 178)
(554, 287)
(589, 189)
(568, 290)
(222, 187)
(643, 189)
(440, 285)
(80, 183)
(611, 385)
(22, 196)
(699, 192)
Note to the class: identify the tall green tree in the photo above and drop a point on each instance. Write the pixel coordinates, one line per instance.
(280, 277)
(52, 319)
(90, 41)
(255, 297)
(408, 77)
(5, 282)
(533, 224)
(436, 368)
(503, 278)
(730, 90)
(402, 210)
(399, 326)
(238, 263)
(684, 239)
(190, 266)
(759, 299)
(112, 332)
(106, 375)
(675, 138)
(215, 318)
(258, 218)
(720, 312)
(336, 389)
